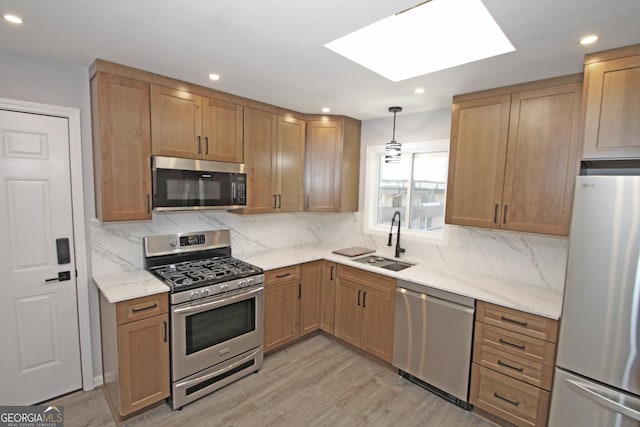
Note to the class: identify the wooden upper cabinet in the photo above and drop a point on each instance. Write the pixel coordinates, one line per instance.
(187, 125)
(612, 104)
(121, 147)
(222, 131)
(542, 159)
(477, 156)
(332, 166)
(176, 120)
(514, 157)
(274, 157)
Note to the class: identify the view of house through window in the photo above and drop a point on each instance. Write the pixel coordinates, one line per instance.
(415, 187)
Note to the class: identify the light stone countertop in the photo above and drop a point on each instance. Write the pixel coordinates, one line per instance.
(126, 285)
(533, 299)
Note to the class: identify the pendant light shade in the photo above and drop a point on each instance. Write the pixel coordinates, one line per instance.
(392, 148)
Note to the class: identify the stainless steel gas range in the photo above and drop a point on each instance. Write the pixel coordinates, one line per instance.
(217, 311)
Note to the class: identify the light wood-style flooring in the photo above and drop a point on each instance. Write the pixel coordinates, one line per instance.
(316, 382)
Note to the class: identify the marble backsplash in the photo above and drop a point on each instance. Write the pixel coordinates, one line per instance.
(521, 257)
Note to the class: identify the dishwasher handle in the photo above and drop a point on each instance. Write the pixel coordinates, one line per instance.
(445, 298)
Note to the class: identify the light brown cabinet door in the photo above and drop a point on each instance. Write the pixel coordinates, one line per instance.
(122, 147)
(310, 299)
(323, 163)
(377, 334)
(612, 109)
(542, 159)
(143, 348)
(477, 156)
(281, 313)
(260, 133)
(290, 165)
(176, 123)
(349, 313)
(222, 131)
(328, 296)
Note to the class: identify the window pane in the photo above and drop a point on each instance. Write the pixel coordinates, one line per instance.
(392, 188)
(428, 190)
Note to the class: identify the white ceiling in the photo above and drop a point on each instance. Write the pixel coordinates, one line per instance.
(272, 50)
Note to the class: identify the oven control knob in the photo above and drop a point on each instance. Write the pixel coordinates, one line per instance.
(206, 292)
(173, 241)
(194, 294)
(224, 287)
(242, 283)
(250, 281)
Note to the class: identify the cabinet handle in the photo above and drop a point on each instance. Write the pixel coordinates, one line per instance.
(299, 291)
(279, 201)
(495, 214)
(331, 275)
(164, 323)
(274, 202)
(506, 365)
(521, 347)
(199, 145)
(364, 299)
(206, 145)
(138, 310)
(307, 203)
(515, 322)
(359, 291)
(148, 203)
(280, 276)
(504, 214)
(513, 402)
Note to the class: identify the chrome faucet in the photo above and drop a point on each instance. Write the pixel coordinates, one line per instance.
(399, 250)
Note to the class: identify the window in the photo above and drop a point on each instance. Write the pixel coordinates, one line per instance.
(416, 187)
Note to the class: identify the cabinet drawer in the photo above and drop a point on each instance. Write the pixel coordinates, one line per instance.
(367, 278)
(141, 308)
(507, 398)
(518, 321)
(517, 367)
(524, 346)
(281, 275)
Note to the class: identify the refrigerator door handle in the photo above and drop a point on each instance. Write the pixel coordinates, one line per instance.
(605, 397)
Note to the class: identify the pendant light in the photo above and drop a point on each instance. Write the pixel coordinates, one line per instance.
(392, 149)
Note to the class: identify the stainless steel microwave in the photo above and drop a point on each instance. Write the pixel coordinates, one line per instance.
(188, 184)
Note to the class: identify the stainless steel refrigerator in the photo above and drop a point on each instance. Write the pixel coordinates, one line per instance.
(597, 379)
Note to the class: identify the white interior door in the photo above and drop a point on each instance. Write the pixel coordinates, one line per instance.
(40, 350)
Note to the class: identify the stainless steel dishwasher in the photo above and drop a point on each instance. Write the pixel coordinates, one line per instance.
(433, 333)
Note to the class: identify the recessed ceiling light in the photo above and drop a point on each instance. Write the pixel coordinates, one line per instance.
(433, 36)
(419, 91)
(326, 109)
(590, 39)
(214, 76)
(13, 19)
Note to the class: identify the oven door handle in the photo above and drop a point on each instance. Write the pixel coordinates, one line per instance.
(220, 301)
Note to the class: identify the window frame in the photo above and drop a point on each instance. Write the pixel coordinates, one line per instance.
(371, 187)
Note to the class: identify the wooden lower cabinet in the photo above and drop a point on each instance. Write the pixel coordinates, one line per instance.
(328, 296)
(364, 310)
(513, 363)
(310, 296)
(135, 353)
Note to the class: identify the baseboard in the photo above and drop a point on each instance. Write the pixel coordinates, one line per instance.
(98, 381)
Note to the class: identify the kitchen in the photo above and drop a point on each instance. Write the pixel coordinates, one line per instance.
(525, 258)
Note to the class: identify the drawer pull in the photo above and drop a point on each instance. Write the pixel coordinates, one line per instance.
(506, 365)
(518, 346)
(280, 276)
(513, 402)
(515, 322)
(150, 307)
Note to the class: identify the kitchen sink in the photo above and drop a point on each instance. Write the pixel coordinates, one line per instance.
(382, 262)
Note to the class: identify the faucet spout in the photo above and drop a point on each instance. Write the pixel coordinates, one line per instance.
(399, 249)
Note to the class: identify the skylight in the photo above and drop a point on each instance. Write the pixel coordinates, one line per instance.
(432, 36)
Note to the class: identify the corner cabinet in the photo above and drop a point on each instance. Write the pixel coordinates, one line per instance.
(274, 159)
(332, 165)
(612, 104)
(364, 311)
(135, 353)
(514, 157)
(121, 147)
(188, 125)
(328, 296)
